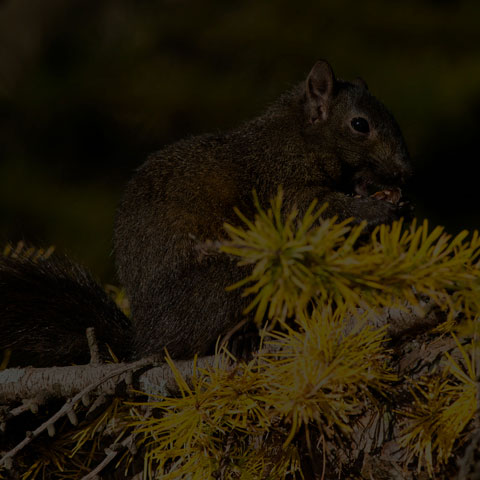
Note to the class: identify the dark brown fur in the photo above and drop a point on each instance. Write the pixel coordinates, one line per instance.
(179, 199)
(46, 307)
(183, 194)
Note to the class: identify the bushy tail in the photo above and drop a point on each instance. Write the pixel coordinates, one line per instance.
(45, 308)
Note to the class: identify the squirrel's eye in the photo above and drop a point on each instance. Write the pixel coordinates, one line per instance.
(360, 125)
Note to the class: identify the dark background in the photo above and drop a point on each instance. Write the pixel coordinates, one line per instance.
(89, 88)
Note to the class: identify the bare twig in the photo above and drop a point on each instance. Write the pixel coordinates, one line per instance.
(111, 452)
(93, 346)
(233, 330)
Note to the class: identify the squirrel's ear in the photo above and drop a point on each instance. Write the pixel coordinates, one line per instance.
(319, 90)
(360, 82)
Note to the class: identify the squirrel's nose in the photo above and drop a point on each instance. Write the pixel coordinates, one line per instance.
(402, 168)
(400, 175)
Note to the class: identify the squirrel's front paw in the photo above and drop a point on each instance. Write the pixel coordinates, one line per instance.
(376, 211)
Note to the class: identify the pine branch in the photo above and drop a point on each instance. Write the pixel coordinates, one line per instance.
(364, 375)
(17, 384)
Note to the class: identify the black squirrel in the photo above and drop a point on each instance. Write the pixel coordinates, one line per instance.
(326, 138)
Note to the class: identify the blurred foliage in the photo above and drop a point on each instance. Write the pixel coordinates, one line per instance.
(89, 88)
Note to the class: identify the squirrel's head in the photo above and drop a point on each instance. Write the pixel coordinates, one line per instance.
(348, 122)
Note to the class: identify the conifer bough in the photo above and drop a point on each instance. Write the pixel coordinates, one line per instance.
(318, 399)
(297, 261)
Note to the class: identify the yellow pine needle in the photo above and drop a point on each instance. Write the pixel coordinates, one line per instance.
(443, 407)
(311, 259)
(322, 375)
(192, 431)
